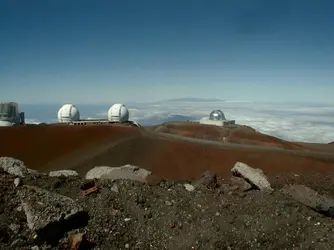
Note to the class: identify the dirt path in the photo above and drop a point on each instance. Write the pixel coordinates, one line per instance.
(228, 145)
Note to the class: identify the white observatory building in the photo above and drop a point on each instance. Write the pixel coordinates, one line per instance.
(118, 113)
(68, 113)
(216, 118)
(10, 115)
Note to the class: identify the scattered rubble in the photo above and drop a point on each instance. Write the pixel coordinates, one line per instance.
(65, 173)
(130, 214)
(254, 176)
(127, 172)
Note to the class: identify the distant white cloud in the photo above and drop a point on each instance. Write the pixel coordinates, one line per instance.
(292, 122)
(289, 122)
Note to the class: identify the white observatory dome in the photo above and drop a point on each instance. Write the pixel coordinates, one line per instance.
(118, 113)
(217, 115)
(68, 113)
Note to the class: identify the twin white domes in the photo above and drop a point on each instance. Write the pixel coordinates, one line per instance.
(69, 113)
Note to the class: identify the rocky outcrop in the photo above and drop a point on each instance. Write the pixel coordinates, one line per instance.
(127, 172)
(50, 215)
(14, 167)
(311, 198)
(255, 177)
(65, 173)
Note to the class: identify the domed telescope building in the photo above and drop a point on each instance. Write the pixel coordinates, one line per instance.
(118, 113)
(216, 118)
(10, 115)
(68, 113)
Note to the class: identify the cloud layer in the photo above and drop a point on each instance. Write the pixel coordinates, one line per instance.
(292, 122)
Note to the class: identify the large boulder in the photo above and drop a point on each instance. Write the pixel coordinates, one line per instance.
(65, 173)
(50, 215)
(311, 198)
(126, 172)
(255, 177)
(14, 167)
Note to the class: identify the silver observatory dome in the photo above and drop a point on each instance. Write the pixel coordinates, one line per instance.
(217, 115)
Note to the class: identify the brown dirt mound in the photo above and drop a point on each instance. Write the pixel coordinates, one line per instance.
(238, 134)
(46, 148)
(185, 160)
(39, 145)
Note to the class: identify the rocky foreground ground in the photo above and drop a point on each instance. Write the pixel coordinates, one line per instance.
(38, 211)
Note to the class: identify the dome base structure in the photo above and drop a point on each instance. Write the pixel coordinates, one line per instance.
(219, 123)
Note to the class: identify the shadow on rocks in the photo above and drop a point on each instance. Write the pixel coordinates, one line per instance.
(53, 232)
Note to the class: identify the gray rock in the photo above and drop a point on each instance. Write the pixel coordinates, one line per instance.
(240, 183)
(310, 198)
(126, 172)
(189, 187)
(13, 166)
(207, 179)
(17, 182)
(115, 188)
(254, 176)
(48, 214)
(65, 173)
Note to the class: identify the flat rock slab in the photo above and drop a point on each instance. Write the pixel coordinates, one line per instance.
(48, 214)
(310, 198)
(126, 172)
(65, 173)
(255, 177)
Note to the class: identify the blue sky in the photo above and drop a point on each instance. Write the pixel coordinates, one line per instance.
(119, 51)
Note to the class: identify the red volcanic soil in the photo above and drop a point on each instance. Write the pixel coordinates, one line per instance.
(52, 147)
(237, 134)
(39, 145)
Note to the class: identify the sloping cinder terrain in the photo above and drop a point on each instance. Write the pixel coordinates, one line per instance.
(233, 134)
(53, 147)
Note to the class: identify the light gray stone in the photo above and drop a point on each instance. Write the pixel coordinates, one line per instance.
(13, 166)
(189, 187)
(126, 172)
(65, 173)
(255, 177)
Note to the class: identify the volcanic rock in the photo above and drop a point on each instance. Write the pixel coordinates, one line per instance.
(126, 172)
(240, 183)
(207, 179)
(65, 173)
(255, 177)
(310, 198)
(50, 215)
(14, 167)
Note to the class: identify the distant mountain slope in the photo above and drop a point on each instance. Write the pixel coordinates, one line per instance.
(239, 134)
(331, 142)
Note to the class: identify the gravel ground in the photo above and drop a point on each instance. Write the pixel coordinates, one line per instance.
(133, 215)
